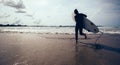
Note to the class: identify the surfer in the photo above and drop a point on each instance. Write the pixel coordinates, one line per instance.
(79, 19)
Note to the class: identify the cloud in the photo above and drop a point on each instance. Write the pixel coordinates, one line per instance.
(4, 16)
(17, 4)
(98, 11)
(37, 21)
(17, 22)
(20, 11)
(29, 15)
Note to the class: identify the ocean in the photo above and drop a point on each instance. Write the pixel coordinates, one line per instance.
(54, 30)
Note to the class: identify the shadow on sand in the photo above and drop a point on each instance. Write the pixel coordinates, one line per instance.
(99, 46)
(84, 56)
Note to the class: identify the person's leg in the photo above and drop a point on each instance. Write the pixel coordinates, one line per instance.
(85, 36)
(81, 32)
(76, 34)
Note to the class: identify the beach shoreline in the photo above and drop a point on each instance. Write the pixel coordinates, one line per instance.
(58, 49)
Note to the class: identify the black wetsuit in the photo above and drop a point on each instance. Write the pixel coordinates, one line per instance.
(79, 18)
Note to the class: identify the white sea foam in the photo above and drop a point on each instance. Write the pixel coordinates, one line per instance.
(69, 30)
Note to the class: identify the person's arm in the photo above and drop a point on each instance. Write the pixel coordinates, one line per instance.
(85, 15)
(75, 18)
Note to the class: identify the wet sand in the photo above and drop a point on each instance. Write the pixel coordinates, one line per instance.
(58, 49)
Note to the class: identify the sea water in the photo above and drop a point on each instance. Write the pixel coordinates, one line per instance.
(55, 30)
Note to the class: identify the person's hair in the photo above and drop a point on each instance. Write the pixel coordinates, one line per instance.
(76, 11)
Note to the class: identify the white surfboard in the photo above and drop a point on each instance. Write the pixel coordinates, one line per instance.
(90, 26)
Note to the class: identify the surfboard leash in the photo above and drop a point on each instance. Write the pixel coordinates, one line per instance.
(99, 37)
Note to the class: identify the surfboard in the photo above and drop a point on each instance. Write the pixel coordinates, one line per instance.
(90, 26)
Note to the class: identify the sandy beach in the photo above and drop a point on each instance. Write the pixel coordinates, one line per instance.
(58, 49)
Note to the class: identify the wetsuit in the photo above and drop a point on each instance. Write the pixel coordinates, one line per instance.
(79, 18)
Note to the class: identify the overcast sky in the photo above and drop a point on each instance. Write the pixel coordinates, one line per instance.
(58, 12)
